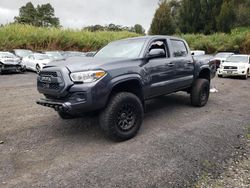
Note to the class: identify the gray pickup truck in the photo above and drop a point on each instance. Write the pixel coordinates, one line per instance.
(118, 80)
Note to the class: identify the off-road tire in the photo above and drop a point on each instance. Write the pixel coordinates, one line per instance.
(200, 92)
(220, 76)
(122, 117)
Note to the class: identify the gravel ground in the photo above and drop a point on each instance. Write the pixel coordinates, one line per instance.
(176, 146)
(237, 175)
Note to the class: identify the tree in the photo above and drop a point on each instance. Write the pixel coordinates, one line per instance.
(46, 16)
(199, 16)
(27, 14)
(42, 15)
(243, 13)
(139, 29)
(163, 23)
(227, 17)
(113, 27)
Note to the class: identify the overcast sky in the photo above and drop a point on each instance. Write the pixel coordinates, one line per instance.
(79, 13)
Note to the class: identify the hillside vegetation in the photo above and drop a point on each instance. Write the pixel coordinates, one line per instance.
(237, 41)
(38, 38)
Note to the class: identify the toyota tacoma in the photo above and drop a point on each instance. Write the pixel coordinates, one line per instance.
(120, 77)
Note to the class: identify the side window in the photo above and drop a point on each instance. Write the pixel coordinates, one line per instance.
(159, 45)
(179, 48)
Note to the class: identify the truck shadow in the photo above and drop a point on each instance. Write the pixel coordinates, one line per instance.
(155, 108)
(53, 136)
(166, 102)
(87, 129)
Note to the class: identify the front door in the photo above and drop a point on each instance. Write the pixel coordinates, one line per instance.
(160, 70)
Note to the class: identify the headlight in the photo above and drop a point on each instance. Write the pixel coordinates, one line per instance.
(242, 67)
(221, 67)
(87, 76)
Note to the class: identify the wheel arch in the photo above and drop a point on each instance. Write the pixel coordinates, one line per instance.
(205, 73)
(131, 83)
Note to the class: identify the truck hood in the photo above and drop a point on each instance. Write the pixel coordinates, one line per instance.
(76, 64)
(233, 64)
(219, 58)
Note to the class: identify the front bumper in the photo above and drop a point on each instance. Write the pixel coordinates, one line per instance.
(75, 104)
(74, 99)
(232, 72)
(13, 68)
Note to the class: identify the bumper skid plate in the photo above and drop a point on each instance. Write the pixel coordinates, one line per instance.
(55, 105)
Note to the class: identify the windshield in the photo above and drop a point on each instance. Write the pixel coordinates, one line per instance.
(54, 54)
(41, 56)
(238, 59)
(223, 55)
(7, 55)
(122, 49)
(23, 53)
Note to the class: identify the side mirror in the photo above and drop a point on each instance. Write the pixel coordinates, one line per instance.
(156, 53)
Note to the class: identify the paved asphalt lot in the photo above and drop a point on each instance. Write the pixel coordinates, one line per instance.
(176, 145)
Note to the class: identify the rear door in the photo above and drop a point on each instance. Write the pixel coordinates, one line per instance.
(28, 60)
(183, 61)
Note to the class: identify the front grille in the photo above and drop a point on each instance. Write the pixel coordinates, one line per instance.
(54, 74)
(10, 66)
(53, 86)
(230, 67)
(53, 83)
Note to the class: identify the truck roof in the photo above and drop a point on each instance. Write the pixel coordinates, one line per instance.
(149, 37)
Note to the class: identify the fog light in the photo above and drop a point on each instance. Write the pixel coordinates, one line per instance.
(78, 97)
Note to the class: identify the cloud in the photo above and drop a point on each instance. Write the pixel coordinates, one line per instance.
(7, 15)
(79, 13)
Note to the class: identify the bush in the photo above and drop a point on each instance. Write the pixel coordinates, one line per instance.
(38, 38)
(237, 41)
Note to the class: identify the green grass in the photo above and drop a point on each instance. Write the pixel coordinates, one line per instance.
(237, 41)
(34, 38)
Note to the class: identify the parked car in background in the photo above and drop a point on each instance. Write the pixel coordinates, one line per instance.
(36, 61)
(222, 56)
(21, 53)
(235, 65)
(91, 54)
(198, 52)
(68, 54)
(10, 63)
(55, 55)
